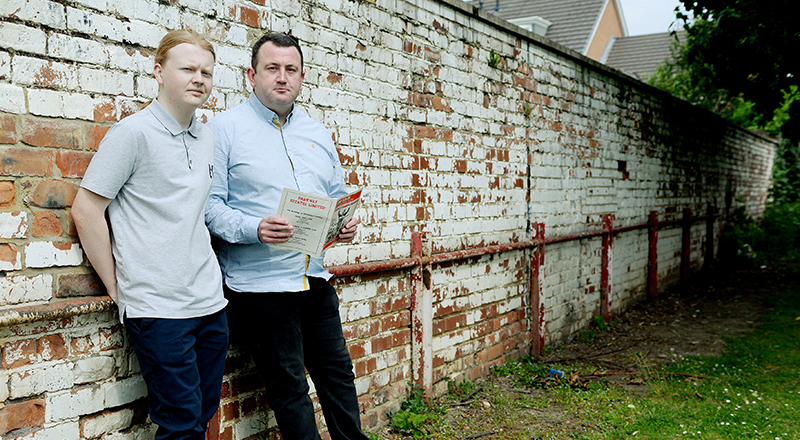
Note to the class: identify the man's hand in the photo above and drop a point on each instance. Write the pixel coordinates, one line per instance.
(348, 231)
(274, 229)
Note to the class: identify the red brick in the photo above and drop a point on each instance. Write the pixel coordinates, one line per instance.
(18, 353)
(81, 345)
(73, 163)
(105, 111)
(46, 223)
(85, 284)
(110, 338)
(391, 322)
(71, 229)
(226, 434)
(230, 411)
(59, 133)
(7, 193)
(52, 347)
(334, 78)
(246, 16)
(9, 252)
(441, 104)
(358, 350)
(249, 406)
(21, 415)
(54, 194)
(95, 134)
(26, 162)
(8, 130)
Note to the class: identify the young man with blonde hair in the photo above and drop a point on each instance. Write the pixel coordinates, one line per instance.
(151, 175)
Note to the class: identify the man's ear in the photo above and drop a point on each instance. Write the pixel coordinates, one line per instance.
(157, 73)
(251, 77)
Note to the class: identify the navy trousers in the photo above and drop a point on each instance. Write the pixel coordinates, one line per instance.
(182, 361)
(289, 332)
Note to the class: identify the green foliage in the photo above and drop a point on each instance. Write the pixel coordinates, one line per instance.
(750, 392)
(527, 109)
(747, 48)
(494, 59)
(772, 239)
(596, 326)
(417, 414)
(460, 389)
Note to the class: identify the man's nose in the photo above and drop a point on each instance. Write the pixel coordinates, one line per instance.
(282, 75)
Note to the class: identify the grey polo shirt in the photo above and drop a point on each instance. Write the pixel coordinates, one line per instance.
(158, 176)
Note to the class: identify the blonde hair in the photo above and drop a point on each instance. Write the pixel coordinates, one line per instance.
(180, 36)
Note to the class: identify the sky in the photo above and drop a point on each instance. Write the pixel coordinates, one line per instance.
(649, 16)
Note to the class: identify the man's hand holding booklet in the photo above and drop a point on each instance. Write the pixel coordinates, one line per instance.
(317, 220)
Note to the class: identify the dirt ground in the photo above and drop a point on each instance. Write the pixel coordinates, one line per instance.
(684, 321)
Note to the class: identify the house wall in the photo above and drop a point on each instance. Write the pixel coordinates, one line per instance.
(442, 142)
(610, 25)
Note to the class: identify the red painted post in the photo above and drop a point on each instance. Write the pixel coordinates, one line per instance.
(421, 315)
(537, 291)
(686, 246)
(607, 269)
(710, 219)
(652, 260)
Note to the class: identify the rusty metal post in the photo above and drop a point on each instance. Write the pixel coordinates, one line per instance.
(607, 269)
(421, 313)
(652, 261)
(537, 291)
(686, 246)
(711, 217)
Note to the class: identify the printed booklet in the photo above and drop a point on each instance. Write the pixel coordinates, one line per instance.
(317, 220)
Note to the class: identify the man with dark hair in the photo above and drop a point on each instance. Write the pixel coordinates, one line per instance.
(280, 301)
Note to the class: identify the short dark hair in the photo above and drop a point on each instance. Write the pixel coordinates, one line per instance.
(279, 39)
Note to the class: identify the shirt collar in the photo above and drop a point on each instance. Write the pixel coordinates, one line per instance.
(172, 125)
(265, 112)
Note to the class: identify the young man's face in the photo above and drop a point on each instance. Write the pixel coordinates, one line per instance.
(185, 77)
(277, 78)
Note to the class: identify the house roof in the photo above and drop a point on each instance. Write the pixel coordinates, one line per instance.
(573, 20)
(640, 56)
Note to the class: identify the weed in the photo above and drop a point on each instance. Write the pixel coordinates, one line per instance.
(462, 389)
(494, 59)
(596, 326)
(417, 414)
(527, 109)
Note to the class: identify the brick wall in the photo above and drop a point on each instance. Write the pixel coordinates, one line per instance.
(443, 143)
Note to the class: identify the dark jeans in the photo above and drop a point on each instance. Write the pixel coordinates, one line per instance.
(288, 331)
(182, 361)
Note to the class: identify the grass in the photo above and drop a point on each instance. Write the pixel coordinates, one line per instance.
(752, 391)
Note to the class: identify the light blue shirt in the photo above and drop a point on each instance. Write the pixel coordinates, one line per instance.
(255, 159)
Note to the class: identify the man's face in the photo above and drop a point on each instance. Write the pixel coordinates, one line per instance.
(185, 77)
(277, 78)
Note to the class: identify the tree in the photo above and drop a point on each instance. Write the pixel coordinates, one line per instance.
(739, 59)
(745, 48)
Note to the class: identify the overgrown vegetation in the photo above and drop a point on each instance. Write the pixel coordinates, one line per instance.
(773, 240)
(418, 415)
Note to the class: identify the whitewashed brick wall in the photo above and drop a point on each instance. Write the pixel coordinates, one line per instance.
(441, 142)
